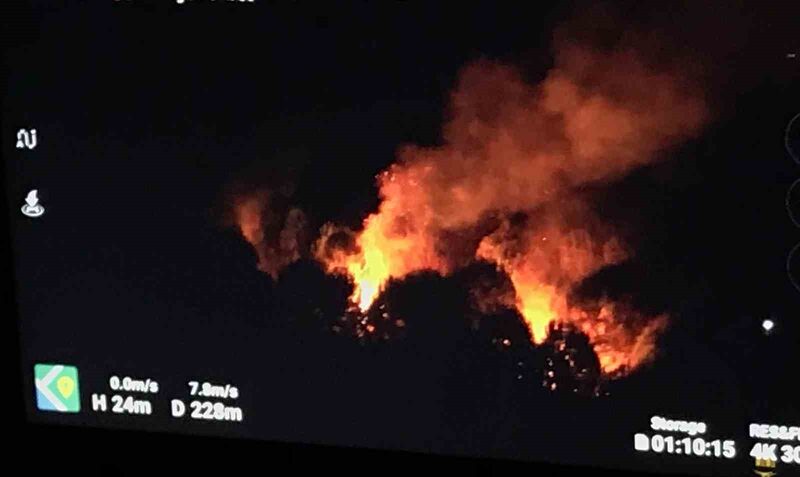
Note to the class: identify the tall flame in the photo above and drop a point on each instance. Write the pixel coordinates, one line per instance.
(544, 263)
(393, 243)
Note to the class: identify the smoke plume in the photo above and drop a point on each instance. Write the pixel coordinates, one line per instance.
(511, 148)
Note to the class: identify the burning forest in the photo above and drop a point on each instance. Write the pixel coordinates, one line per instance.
(505, 188)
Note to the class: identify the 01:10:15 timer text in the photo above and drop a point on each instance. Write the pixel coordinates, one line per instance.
(690, 446)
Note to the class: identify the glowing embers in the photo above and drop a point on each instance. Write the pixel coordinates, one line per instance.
(570, 365)
(376, 324)
(565, 362)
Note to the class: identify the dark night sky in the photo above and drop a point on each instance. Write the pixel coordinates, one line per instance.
(147, 114)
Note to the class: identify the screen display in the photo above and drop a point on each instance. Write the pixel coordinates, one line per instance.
(567, 232)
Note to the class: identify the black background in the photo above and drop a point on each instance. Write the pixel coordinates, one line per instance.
(147, 113)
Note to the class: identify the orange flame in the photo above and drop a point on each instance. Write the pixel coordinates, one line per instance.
(393, 243)
(544, 269)
(248, 215)
(278, 241)
(510, 147)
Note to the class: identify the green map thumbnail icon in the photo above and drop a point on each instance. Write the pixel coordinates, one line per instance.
(57, 388)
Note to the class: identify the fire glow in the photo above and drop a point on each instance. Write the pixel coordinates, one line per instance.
(510, 148)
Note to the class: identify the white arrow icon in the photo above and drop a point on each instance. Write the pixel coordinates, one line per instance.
(32, 207)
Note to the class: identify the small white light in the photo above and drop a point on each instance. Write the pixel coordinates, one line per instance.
(768, 325)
